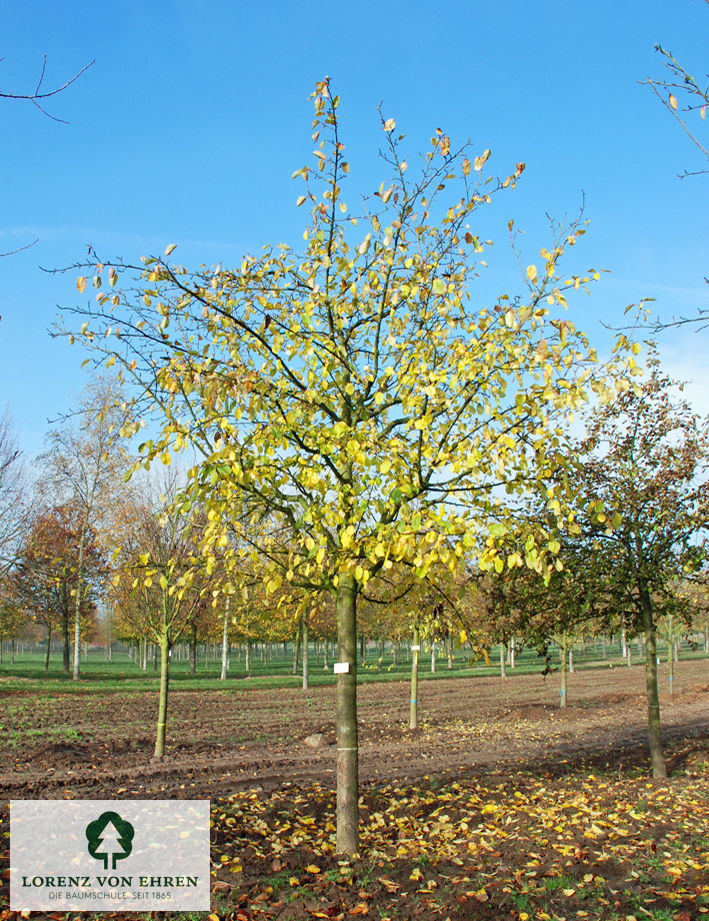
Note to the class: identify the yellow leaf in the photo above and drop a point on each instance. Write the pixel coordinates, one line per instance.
(416, 875)
(294, 881)
(673, 102)
(481, 160)
(389, 124)
(81, 284)
(170, 248)
(300, 200)
(311, 868)
(636, 348)
(532, 273)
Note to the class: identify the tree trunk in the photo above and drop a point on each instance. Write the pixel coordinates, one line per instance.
(77, 613)
(48, 649)
(306, 672)
(193, 648)
(414, 702)
(450, 648)
(325, 663)
(162, 704)
(563, 644)
(247, 658)
(65, 645)
(571, 659)
(513, 652)
(225, 639)
(347, 742)
(433, 656)
(503, 660)
(296, 648)
(659, 769)
(363, 649)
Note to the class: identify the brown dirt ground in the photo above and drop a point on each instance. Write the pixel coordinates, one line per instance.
(481, 737)
(224, 741)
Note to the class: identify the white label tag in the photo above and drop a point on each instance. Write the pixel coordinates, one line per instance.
(415, 648)
(341, 668)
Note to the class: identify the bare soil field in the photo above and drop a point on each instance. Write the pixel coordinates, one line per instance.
(92, 746)
(501, 806)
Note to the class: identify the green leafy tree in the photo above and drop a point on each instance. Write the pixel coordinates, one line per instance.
(645, 465)
(355, 391)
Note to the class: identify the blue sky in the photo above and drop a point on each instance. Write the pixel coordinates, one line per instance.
(190, 123)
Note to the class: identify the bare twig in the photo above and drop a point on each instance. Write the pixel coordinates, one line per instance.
(20, 248)
(40, 94)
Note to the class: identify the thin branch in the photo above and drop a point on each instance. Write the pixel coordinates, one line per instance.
(19, 249)
(40, 94)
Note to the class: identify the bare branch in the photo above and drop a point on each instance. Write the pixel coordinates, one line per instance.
(19, 249)
(41, 94)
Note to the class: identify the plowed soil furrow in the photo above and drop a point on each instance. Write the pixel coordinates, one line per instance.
(222, 741)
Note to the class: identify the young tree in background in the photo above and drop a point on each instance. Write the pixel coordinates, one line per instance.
(14, 510)
(85, 465)
(646, 469)
(44, 578)
(157, 586)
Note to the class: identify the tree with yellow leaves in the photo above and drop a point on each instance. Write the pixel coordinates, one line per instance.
(354, 392)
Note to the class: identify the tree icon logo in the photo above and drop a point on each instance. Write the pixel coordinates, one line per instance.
(110, 839)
